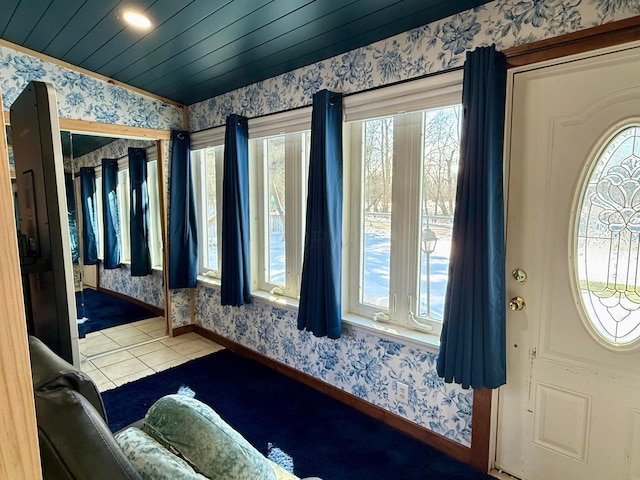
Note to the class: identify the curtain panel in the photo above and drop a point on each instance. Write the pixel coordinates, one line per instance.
(235, 286)
(183, 226)
(473, 350)
(139, 213)
(71, 216)
(110, 213)
(89, 216)
(320, 309)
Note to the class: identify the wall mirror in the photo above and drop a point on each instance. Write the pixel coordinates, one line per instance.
(115, 310)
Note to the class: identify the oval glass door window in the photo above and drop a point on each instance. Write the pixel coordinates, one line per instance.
(608, 240)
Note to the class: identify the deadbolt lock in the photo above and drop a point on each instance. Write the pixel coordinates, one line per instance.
(519, 275)
(516, 304)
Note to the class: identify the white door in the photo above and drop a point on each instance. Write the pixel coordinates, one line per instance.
(571, 405)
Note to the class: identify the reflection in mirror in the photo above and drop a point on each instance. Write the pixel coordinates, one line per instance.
(116, 310)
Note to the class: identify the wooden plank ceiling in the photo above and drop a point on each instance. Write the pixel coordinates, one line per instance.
(202, 48)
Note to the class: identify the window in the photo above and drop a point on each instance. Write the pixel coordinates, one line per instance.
(402, 196)
(207, 165)
(124, 203)
(100, 213)
(282, 163)
(607, 243)
(155, 235)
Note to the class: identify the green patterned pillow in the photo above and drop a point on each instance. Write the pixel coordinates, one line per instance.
(152, 460)
(204, 440)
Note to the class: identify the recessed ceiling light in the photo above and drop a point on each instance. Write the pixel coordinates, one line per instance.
(136, 19)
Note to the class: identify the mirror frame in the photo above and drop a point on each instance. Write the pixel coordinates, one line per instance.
(85, 127)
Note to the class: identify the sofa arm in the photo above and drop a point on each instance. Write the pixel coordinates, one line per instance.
(49, 372)
(75, 442)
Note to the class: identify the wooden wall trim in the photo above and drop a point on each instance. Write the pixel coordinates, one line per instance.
(429, 437)
(105, 129)
(481, 429)
(19, 452)
(601, 36)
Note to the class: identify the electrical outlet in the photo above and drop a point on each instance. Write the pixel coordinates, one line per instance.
(403, 392)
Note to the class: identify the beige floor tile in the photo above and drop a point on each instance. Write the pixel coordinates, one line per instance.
(100, 347)
(160, 356)
(98, 377)
(111, 358)
(157, 332)
(134, 340)
(134, 376)
(123, 369)
(191, 346)
(148, 321)
(106, 386)
(94, 338)
(206, 351)
(152, 326)
(146, 348)
(86, 365)
(171, 341)
(118, 333)
(170, 364)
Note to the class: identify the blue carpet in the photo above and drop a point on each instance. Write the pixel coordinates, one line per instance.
(103, 311)
(325, 437)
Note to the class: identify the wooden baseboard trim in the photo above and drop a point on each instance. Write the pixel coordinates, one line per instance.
(184, 329)
(435, 440)
(158, 311)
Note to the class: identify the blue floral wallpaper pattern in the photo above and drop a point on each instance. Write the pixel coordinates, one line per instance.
(364, 364)
(81, 96)
(148, 289)
(432, 48)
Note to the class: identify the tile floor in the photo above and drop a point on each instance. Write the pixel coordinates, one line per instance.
(122, 354)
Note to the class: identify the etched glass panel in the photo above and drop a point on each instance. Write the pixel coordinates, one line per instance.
(608, 240)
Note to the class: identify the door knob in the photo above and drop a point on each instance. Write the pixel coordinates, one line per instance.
(516, 304)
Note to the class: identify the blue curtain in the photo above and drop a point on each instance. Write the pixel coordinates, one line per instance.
(71, 216)
(110, 213)
(320, 305)
(139, 213)
(235, 286)
(183, 225)
(89, 216)
(472, 350)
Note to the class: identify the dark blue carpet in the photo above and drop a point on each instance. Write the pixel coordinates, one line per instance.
(104, 311)
(325, 437)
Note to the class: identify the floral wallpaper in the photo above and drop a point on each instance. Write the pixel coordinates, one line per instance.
(82, 96)
(148, 289)
(364, 364)
(180, 307)
(432, 48)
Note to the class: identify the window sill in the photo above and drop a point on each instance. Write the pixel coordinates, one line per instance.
(351, 322)
(396, 333)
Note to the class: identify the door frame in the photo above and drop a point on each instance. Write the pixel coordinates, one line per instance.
(540, 54)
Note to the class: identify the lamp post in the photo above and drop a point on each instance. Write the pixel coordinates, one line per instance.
(429, 241)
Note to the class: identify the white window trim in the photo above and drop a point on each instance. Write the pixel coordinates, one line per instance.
(295, 181)
(198, 168)
(434, 91)
(415, 96)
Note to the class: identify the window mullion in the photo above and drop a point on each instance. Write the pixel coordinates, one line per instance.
(219, 207)
(294, 207)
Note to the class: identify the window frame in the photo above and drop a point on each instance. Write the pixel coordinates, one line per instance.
(198, 169)
(407, 104)
(296, 165)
